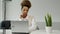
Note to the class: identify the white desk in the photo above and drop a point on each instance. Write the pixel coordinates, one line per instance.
(7, 31)
(1, 31)
(44, 32)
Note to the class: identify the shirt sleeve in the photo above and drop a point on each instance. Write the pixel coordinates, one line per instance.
(33, 25)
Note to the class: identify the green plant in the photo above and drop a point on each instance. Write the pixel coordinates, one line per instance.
(48, 20)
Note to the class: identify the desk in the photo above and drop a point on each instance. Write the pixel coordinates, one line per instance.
(1, 31)
(7, 31)
(44, 32)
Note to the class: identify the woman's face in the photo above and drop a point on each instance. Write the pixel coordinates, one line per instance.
(25, 11)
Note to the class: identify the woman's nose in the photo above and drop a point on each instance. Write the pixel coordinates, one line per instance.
(25, 11)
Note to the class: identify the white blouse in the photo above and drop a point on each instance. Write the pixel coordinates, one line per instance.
(32, 23)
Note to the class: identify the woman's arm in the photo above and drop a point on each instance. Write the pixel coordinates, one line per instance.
(33, 25)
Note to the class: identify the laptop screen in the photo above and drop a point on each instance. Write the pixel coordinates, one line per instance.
(19, 26)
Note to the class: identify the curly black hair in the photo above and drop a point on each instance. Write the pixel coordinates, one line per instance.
(26, 3)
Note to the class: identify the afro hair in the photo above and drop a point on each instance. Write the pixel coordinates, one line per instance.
(26, 3)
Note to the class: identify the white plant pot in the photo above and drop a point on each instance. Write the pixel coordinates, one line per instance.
(48, 30)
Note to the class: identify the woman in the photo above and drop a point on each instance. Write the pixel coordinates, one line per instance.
(25, 6)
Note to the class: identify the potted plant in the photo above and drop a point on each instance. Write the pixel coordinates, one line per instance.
(48, 21)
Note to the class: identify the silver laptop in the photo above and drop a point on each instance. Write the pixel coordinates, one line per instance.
(19, 26)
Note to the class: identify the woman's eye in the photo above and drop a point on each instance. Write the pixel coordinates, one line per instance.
(27, 10)
(24, 10)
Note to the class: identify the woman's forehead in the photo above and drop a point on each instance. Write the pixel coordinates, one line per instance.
(25, 7)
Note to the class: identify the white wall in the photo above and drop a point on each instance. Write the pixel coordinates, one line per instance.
(38, 10)
(1, 10)
(41, 7)
(13, 9)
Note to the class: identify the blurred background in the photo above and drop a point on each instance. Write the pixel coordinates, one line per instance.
(38, 10)
(11, 9)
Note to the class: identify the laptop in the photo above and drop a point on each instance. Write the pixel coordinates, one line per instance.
(20, 26)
